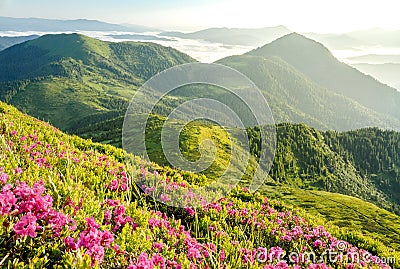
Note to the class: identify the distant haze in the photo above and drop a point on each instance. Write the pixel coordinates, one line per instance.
(208, 51)
(301, 16)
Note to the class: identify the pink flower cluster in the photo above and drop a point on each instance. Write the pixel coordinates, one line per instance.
(167, 191)
(93, 240)
(117, 216)
(32, 209)
(146, 262)
(3, 176)
(289, 229)
(120, 181)
(196, 252)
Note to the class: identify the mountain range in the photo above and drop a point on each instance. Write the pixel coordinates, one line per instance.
(375, 59)
(378, 36)
(234, 36)
(301, 79)
(52, 25)
(375, 37)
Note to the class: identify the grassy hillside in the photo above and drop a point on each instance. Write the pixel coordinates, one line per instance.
(343, 211)
(68, 202)
(95, 79)
(57, 77)
(305, 158)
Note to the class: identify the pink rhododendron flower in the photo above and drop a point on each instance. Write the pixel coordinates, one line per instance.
(114, 185)
(7, 200)
(318, 243)
(123, 187)
(158, 260)
(164, 197)
(18, 171)
(143, 262)
(190, 211)
(158, 246)
(3, 177)
(26, 226)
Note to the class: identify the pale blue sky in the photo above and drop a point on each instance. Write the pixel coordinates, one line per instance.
(305, 15)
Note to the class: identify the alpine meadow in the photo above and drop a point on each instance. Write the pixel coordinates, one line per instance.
(105, 164)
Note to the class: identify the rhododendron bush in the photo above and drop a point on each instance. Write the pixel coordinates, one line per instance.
(68, 202)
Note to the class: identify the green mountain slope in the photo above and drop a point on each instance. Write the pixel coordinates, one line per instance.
(69, 77)
(127, 60)
(306, 159)
(293, 97)
(317, 63)
(344, 211)
(375, 154)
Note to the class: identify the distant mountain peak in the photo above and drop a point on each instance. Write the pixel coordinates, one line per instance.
(65, 36)
(315, 61)
(296, 40)
(294, 45)
(53, 25)
(294, 34)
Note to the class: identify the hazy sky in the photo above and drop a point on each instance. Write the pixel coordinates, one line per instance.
(299, 15)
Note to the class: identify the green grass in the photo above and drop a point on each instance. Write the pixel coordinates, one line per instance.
(62, 99)
(343, 211)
